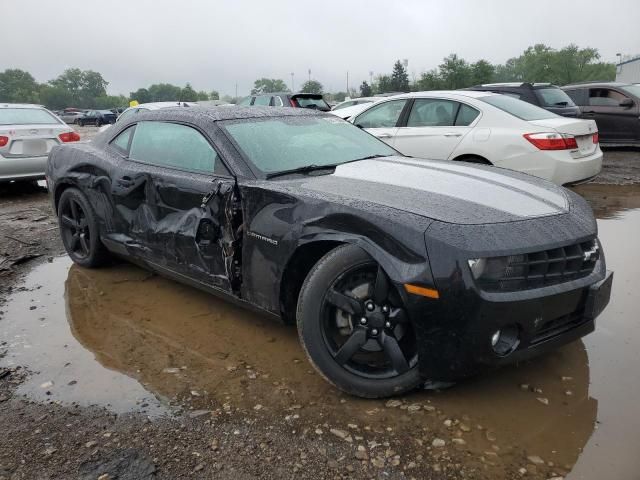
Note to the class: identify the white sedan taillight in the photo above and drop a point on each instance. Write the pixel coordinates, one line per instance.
(552, 141)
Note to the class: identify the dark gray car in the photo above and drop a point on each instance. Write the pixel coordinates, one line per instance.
(614, 106)
(544, 95)
(314, 101)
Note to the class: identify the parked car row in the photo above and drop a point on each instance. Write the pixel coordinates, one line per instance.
(396, 270)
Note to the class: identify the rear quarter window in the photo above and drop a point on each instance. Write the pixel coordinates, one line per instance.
(517, 108)
(553, 97)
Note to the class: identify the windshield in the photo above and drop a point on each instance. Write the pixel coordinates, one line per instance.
(26, 116)
(632, 89)
(553, 97)
(276, 144)
(518, 108)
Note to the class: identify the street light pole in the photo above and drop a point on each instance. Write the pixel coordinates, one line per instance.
(309, 74)
(347, 83)
(292, 87)
(236, 90)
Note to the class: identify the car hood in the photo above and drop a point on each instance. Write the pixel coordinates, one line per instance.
(439, 190)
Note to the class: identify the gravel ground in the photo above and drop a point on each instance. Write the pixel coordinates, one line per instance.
(48, 440)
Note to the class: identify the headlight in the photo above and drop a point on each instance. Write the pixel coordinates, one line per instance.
(497, 268)
(477, 266)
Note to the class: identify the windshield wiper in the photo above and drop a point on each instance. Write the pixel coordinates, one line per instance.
(314, 167)
(303, 169)
(377, 155)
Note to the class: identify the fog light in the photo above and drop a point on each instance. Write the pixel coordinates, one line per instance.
(505, 340)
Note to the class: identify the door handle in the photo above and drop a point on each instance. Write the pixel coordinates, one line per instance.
(384, 135)
(452, 134)
(126, 182)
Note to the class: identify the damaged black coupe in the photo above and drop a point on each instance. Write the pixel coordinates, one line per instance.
(396, 270)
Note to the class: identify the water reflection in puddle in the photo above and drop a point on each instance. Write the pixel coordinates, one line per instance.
(130, 339)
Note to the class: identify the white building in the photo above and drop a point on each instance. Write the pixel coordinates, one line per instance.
(628, 71)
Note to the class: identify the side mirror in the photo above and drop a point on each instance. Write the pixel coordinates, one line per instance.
(626, 103)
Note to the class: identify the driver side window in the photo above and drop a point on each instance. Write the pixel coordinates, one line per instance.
(385, 115)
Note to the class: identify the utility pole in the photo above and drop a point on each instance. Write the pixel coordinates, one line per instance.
(292, 87)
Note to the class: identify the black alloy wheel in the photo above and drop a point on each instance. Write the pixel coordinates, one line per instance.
(79, 229)
(356, 331)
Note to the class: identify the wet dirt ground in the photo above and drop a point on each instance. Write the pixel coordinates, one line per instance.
(121, 372)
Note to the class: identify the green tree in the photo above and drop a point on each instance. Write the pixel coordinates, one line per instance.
(107, 102)
(142, 95)
(455, 72)
(311, 86)
(430, 80)
(84, 86)
(56, 98)
(365, 89)
(188, 94)
(383, 84)
(337, 96)
(18, 86)
(268, 85)
(481, 72)
(214, 95)
(164, 92)
(399, 78)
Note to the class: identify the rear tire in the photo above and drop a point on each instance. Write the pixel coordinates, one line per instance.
(98, 122)
(79, 230)
(371, 351)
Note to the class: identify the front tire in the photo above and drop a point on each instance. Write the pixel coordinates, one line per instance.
(79, 229)
(354, 328)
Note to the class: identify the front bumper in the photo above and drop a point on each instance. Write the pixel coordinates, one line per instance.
(457, 342)
(22, 168)
(454, 332)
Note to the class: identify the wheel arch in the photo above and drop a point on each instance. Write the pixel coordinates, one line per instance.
(308, 253)
(472, 158)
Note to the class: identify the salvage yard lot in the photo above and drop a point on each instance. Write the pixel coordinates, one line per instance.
(121, 372)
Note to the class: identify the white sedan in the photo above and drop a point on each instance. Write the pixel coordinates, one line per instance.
(484, 127)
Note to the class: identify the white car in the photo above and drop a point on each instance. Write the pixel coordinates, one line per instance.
(347, 112)
(485, 127)
(27, 135)
(355, 101)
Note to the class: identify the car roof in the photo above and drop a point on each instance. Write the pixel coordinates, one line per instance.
(444, 93)
(222, 113)
(597, 84)
(157, 105)
(20, 105)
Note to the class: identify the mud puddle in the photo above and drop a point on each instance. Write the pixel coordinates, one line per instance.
(137, 342)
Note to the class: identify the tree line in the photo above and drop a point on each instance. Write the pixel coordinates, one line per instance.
(538, 63)
(87, 89)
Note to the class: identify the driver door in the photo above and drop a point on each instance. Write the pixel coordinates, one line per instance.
(171, 195)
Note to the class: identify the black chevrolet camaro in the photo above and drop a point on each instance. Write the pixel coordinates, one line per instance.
(396, 270)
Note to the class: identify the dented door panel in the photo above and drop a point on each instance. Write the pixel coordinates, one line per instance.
(164, 220)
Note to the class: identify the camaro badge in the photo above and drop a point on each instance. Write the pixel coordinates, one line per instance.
(262, 237)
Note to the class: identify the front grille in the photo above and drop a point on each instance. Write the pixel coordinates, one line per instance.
(540, 269)
(558, 326)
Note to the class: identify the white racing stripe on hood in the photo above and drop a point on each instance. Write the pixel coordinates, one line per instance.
(480, 186)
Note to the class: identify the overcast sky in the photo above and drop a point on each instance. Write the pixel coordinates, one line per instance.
(218, 44)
